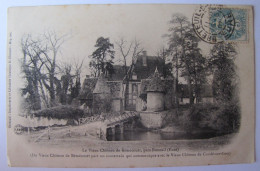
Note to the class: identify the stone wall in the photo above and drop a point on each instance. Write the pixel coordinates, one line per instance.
(152, 120)
(155, 101)
(117, 105)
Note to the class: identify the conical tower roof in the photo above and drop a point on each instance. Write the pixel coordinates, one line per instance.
(101, 86)
(156, 84)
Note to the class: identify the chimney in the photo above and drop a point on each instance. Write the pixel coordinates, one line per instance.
(144, 58)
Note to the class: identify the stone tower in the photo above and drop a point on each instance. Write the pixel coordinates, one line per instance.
(101, 96)
(153, 118)
(155, 93)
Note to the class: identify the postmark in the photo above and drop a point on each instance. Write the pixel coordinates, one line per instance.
(18, 129)
(214, 24)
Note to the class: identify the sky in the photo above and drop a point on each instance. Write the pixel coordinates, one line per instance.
(85, 23)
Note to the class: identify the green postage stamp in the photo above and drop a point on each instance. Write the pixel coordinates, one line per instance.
(214, 24)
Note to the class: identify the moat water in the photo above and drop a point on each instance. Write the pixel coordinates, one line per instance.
(156, 135)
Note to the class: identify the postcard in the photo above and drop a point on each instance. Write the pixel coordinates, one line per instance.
(148, 85)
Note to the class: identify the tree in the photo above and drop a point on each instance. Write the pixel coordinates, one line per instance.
(124, 51)
(31, 67)
(194, 67)
(131, 51)
(225, 87)
(65, 83)
(69, 87)
(179, 26)
(53, 43)
(185, 54)
(167, 69)
(40, 67)
(102, 57)
(75, 90)
(225, 79)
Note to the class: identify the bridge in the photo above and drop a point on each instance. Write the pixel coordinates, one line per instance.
(114, 124)
(102, 126)
(120, 123)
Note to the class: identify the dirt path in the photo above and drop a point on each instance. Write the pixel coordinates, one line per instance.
(84, 131)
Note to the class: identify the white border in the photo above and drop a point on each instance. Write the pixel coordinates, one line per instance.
(3, 27)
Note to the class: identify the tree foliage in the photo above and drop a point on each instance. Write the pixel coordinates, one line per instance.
(222, 64)
(185, 55)
(70, 84)
(45, 86)
(61, 112)
(221, 118)
(102, 57)
(130, 51)
(32, 65)
(224, 115)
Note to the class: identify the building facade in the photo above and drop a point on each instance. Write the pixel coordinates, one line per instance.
(132, 94)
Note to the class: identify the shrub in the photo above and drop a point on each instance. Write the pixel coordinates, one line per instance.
(60, 112)
(221, 117)
(226, 119)
(196, 116)
(102, 104)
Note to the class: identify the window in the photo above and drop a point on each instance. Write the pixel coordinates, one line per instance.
(132, 95)
(134, 88)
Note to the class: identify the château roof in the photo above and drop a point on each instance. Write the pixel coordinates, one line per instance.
(118, 74)
(153, 62)
(156, 84)
(102, 86)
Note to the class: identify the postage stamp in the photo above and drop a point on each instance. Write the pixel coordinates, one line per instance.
(240, 32)
(214, 24)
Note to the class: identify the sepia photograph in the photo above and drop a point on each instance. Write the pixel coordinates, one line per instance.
(148, 85)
